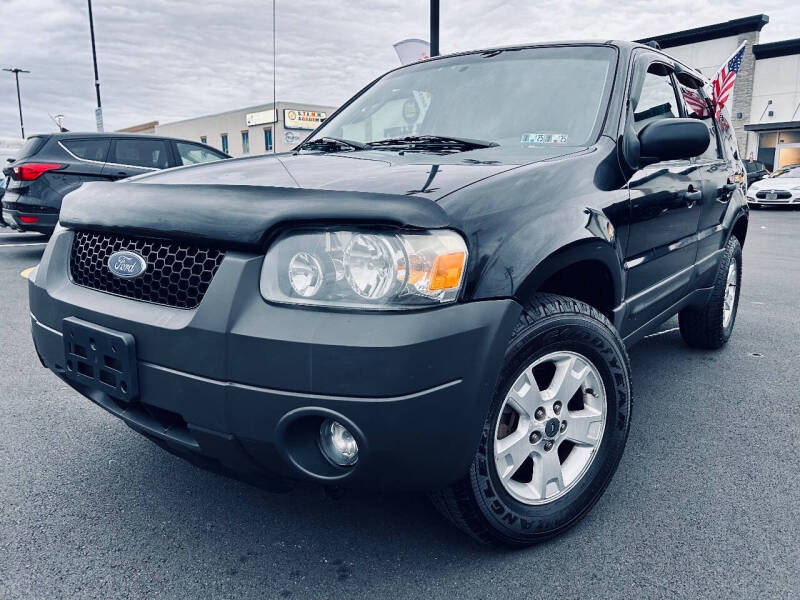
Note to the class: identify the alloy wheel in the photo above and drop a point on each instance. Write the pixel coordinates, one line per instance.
(550, 427)
(729, 301)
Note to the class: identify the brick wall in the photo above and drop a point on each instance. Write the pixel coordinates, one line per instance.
(743, 90)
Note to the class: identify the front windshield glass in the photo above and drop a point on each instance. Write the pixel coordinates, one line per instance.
(792, 172)
(525, 97)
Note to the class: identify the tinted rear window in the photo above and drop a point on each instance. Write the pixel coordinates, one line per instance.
(141, 153)
(88, 149)
(31, 146)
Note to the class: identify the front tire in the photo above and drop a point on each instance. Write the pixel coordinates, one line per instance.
(710, 326)
(555, 431)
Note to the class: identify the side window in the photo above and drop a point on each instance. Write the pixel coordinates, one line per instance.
(657, 99)
(696, 105)
(192, 154)
(89, 149)
(151, 154)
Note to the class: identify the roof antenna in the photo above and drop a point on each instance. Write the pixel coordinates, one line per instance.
(653, 44)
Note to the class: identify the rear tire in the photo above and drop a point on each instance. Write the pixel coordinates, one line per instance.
(710, 326)
(504, 499)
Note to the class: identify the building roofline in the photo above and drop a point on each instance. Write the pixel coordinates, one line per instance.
(256, 108)
(771, 126)
(709, 32)
(775, 49)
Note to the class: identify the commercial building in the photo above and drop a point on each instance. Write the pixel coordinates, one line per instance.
(765, 109)
(253, 130)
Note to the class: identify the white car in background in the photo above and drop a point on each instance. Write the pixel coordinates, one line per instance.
(780, 188)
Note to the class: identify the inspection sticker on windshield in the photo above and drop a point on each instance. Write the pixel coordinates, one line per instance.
(543, 138)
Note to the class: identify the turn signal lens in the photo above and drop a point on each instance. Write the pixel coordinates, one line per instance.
(447, 271)
(32, 171)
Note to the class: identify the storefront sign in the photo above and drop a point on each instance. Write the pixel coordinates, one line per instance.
(261, 118)
(302, 119)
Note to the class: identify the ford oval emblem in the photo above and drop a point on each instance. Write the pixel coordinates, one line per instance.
(126, 264)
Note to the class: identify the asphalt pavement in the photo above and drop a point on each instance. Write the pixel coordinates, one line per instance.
(705, 504)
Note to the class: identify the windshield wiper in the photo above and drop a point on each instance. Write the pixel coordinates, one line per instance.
(441, 143)
(331, 144)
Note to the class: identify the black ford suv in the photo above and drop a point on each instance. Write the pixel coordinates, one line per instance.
(434, 292)
(50, 166)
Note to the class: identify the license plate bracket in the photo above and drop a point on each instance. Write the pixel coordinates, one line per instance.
(772, 195)
(101, 358)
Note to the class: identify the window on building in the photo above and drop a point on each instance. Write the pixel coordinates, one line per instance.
(203, 139)
(245, 142)
(192, 154)
(140, 153)
(268, 139)
(89, 149)
(224, 138)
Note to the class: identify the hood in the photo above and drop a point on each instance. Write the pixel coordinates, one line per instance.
(239, 203)
(365, 172)
(776, 183)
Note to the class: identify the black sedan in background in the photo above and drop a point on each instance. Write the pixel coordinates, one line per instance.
(50, 166)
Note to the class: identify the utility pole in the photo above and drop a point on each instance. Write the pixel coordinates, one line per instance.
(16, 73)
(98, 113)
(434, 28)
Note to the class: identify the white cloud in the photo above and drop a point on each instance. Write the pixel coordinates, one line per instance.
(173, 59)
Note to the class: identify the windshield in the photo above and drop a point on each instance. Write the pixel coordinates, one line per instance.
(515, 98)
(792, 172)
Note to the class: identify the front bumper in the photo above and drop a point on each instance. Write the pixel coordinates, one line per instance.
(245, 384)
(789, 199)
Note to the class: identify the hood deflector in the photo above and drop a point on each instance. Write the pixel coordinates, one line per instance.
(233, 216)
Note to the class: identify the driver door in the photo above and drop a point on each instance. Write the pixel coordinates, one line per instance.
(666, 200)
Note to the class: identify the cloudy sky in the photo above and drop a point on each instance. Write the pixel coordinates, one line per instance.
(172, 59)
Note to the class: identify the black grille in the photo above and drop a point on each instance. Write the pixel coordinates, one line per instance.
(177, 274)
(781, 195)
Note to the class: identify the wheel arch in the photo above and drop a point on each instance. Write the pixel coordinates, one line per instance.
(739, 227)
(588, 270)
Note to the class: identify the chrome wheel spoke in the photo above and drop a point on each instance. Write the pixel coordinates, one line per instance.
(524, 396)
(584, 426)
(569, 376)
(548, 479)
(511, 452)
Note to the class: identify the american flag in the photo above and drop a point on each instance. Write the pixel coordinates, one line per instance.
(695, 103)
(722, 84)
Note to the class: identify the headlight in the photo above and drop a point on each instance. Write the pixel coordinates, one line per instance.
(376, 270)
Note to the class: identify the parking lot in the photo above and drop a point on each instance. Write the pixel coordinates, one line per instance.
(705, 504)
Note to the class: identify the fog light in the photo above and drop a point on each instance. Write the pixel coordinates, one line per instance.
(337, 443)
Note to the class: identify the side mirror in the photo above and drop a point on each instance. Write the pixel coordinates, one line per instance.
(672, 139)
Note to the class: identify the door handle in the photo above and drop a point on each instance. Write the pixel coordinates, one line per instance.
(691, 196)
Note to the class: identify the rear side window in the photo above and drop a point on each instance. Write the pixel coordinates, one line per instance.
(192, 154)
(696, 104)
(31, 146)
(151, 154)
(88, 149)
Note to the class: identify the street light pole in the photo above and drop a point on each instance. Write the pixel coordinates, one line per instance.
(434, 27)
(99, 112)
(16, 73)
